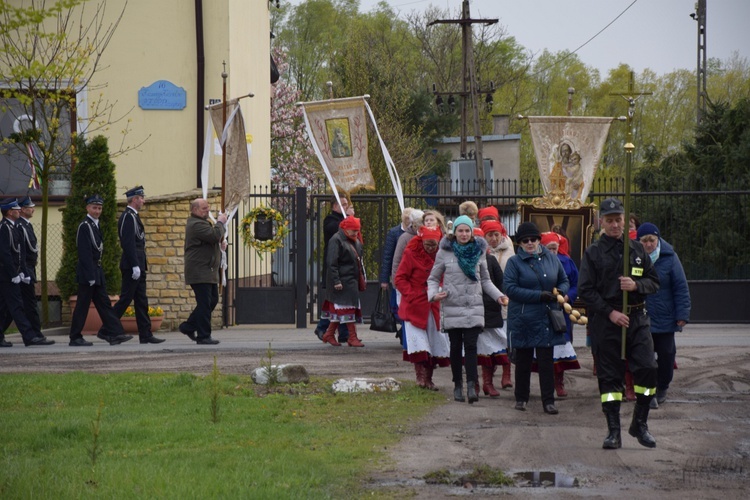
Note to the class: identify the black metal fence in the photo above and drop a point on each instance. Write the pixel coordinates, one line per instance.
(709, 229)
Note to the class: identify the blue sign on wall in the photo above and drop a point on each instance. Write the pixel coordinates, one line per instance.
(162, 95)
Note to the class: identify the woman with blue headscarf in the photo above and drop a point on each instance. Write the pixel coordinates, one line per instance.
(458, 278)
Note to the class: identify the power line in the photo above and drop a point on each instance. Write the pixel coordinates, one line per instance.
(570, 54)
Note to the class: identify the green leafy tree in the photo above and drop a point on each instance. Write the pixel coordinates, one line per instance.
(312, 35)
(94, 174)
(49, 52)
(717, 159)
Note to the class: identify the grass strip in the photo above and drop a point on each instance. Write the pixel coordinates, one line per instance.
(135, 435)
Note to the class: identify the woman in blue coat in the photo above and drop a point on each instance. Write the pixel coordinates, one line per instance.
(530, 276)
(669, 308)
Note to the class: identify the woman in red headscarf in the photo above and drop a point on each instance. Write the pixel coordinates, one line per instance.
(501, 248)
(424, 344)
(344, 280)
(563, 356)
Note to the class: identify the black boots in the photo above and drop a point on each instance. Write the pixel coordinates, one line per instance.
(612, 412)
(458, 392)
(471, 391)
(638, 428)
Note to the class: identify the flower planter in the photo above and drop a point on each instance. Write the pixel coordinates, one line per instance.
(130, 326)
(93, 321)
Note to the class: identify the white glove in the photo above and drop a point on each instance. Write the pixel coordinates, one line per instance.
(16, 280)
(91, 283)
(26, 279)
(136, 272)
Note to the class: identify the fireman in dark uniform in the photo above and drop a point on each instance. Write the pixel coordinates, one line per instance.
(133, 265)
(28, 290)
(600, 286)
(91, 282)
(13, 272)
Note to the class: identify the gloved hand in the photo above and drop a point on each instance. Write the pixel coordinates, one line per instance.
(91, 283)
(26, 279)
(136, 273)
(547, 297)
(16, 280)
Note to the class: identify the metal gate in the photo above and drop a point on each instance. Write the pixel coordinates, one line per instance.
(265, 287)
(377, 213)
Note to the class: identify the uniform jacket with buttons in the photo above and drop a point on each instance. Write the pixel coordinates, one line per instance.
(30, 243)
(464, 306)
(12, 251)
(90, 248)
(601, 267)
(132, 240)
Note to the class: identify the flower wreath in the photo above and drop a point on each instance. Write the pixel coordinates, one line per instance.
(246, 229)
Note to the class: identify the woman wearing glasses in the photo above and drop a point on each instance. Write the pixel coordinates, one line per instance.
(530, 277)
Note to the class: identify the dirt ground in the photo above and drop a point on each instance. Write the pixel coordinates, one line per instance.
(702, 431)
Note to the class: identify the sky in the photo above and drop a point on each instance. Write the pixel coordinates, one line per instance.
(655, 34)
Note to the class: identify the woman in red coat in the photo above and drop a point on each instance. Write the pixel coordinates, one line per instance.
(425, 346)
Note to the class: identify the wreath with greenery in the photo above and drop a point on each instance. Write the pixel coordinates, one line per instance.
(278, 220)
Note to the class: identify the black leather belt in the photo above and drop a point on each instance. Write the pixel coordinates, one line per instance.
(632, 308)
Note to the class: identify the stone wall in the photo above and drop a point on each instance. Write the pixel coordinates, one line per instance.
(164, 218)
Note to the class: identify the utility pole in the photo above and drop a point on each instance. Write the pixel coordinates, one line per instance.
(700, 17)
(469, 88)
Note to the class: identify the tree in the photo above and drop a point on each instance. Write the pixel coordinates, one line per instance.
(718, 159)
(312, 35)
(94, 174)
(49, 52)
(293, 161)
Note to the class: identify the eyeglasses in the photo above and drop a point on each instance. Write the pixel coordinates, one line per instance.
(529, 240)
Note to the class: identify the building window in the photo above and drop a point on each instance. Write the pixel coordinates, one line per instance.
(19, 153)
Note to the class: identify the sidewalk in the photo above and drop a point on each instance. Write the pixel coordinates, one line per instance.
(283, 337)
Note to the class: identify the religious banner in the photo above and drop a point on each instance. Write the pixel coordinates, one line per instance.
(338, 130)
(568, 150)
(234, 140)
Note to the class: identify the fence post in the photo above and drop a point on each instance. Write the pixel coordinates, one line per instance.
(300, 255)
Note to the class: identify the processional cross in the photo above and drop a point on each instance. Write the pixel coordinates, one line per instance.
(631, 96)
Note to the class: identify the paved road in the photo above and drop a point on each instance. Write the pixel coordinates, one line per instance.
(284, 338)
(702, 431)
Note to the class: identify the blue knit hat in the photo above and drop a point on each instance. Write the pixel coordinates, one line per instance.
(463, 219)
(647, 229)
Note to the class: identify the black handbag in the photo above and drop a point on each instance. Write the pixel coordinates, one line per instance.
(556, 316)
(382, 319)
(557, 320)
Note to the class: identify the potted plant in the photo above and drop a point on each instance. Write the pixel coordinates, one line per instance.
(93, 173)
(128, 319)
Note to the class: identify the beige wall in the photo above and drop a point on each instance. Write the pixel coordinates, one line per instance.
(156, 41)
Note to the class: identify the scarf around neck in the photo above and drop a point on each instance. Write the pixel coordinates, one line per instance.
(468, 256)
